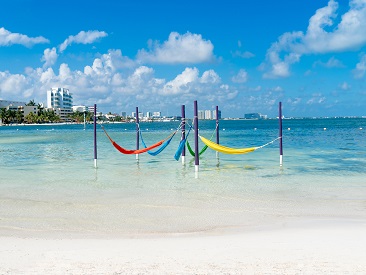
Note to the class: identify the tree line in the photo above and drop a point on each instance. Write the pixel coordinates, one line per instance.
(43, 115)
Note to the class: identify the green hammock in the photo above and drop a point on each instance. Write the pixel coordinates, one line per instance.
(192, 152)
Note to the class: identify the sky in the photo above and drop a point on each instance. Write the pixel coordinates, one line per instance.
(243, 56)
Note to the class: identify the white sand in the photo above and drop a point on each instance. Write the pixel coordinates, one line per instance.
(338, 248)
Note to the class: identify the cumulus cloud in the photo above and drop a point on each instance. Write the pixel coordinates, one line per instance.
(241, 77)
(8, 38)
(49, 57)
(82, 37)
(182, 83)
(323, 35)
(186, 48)
(360, 69)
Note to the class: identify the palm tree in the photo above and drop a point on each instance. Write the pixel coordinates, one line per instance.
(31, 103)
(3, 115)
(31, 118)
(19, 116)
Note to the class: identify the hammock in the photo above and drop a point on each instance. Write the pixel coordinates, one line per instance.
(228, 150)
(203, 149)
(130, 152)
(193, 153)
(164, 145)
(181, 146)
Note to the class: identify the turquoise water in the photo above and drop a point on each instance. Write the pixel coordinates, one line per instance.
(49, 184)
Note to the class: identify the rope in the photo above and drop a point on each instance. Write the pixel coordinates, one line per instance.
(203, 149)
(268, 143)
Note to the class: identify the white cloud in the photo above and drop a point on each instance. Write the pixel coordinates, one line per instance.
(322, 36)
(49, 57)
(316, 99)
(82, 37)
(241, 77)
(108, 83)
(245, 54)
(182, 83)
(331, 63)
(12, 84)
(8, 38)
(186, 48)
(345, 86)
(210, 77)
(360, 69)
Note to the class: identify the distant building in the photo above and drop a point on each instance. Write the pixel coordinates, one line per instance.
(149, 114)
(124, 114)
(91, 109)
(214, 114)
(60, 100)
(80, 108)
(255, 116)
(208, 114)
(7, 103)
(201, 114)
(156, 114)
(26, 110)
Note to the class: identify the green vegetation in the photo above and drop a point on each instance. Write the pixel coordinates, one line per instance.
(42, 116)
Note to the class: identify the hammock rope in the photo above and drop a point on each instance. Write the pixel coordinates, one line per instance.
(163, 146)
(181, 145)
(229, 150)
(140, 151)
(203, 149)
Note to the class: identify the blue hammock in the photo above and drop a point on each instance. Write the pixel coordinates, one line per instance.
(181, 146)
(163, 146)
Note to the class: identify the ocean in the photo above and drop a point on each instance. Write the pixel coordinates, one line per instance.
(49, 186)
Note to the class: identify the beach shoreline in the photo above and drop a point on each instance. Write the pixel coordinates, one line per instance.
(324, 247)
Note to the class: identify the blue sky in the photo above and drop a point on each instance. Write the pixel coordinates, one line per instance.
(244, 56)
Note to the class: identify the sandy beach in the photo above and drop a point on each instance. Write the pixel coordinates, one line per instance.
(307, 248)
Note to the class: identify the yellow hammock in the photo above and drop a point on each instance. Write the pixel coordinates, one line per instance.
(227, 150)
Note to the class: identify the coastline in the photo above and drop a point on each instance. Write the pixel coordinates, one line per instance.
(305, 248)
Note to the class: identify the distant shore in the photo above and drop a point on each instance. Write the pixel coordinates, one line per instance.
(123, 122)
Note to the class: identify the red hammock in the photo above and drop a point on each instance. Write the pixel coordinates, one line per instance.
(130, 152)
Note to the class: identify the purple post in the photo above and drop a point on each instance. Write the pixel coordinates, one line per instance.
(95, 135)
(183, 131)
(217, 129)
(137, 132)
(196, 152)
(280, 131)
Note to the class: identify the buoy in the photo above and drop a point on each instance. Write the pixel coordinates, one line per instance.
(289, 129)
(325, 129)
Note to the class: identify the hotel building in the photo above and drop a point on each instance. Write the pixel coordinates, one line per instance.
(60, 100)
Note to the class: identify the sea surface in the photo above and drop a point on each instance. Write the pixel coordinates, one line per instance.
(50, 187)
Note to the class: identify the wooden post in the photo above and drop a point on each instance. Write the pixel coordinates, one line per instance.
(196, 151)
(280, 131)
(95, 135)
(217, 129)
(183, 132)
(137, 132)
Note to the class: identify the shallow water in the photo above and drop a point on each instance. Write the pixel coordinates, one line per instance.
(49, 185)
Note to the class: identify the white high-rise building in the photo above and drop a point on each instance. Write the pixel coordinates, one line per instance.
(60, 100)
(208, 114)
